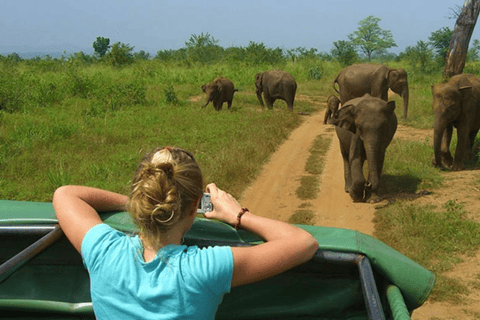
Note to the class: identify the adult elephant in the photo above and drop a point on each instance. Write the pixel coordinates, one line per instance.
(456, 103)
(375, 79)
(365, 128)
(275, 85)
(220, 90)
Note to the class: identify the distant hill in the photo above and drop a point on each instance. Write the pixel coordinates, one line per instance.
(27, 52)
(29, 55)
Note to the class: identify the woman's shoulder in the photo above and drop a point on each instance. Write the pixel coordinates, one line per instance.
(211, 253)
(102, 237)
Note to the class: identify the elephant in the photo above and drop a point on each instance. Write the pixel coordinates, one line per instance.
(333, 104)
(365, 127)
(275, 85)
(220, 90)
(375, 79)
(455, 103)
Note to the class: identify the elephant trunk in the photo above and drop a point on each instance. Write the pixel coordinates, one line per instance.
(405, 101)
(356, 161)
(375, 159)
(259, 97)
(209, 98)
(328, 115)
(438, 131)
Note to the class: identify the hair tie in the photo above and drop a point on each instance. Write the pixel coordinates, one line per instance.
(157, 207)
(168, 148)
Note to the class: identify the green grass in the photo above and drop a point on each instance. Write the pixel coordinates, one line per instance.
(309, 184)
(302, 217)
(403, 172)
(63, 122)
(435, 237)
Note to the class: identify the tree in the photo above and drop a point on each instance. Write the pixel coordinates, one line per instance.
(203, 48)
(370, 38)
(440, 41)
(420, 54)
(257, 53)
(101, 46)
(462, 33)
(141, 55)
(344, 52)
(301, 53)
(120, 54)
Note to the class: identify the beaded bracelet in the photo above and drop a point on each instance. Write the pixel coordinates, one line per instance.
(239, 217)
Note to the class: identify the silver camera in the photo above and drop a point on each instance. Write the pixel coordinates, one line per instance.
(205, 204)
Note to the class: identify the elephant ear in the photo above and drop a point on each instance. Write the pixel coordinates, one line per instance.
(216, 86)
(345, 118)
(258, 80)
(464, 83)
(390, 109)
(204, 88)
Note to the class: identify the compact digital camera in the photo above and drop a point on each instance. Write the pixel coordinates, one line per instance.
(205, 204)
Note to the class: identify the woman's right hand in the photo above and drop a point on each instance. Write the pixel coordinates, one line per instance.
(285, 246)
(225, 206)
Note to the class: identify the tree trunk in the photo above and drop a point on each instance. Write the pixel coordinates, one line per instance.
(457, 52)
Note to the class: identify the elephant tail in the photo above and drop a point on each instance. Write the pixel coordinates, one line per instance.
(333, 84)
(235, 90)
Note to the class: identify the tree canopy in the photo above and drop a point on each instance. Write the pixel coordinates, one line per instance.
(440, 41)
(370, 38)
(344, 52)
(101, 46)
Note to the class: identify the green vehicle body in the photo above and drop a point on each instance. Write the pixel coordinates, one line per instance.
(352, 276)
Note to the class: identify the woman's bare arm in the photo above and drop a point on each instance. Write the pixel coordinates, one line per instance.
(286, 245)
(77, 209)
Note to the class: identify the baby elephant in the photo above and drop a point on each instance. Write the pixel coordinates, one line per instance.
(219, 91)
(333, 104)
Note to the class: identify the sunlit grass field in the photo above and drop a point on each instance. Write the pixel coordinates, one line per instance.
(90, 125)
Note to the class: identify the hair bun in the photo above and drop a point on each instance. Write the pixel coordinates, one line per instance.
(167, 168)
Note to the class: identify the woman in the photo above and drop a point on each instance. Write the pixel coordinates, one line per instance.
(153, 275)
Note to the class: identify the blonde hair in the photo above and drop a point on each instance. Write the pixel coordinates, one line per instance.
(167, 183)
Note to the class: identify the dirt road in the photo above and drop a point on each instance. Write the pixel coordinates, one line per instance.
(273, 195)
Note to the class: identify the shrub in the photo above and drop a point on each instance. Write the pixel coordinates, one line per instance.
(170, 95)
(114, 95)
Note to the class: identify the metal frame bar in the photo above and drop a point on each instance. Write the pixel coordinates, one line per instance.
(17, 261)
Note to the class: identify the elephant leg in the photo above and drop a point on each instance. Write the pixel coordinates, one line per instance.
(229, 104)
(290, 99)
(344, 139)
(346, 170)
(462, 149)
(373, 180)
(269, 101)
(447, 158)
(290, 103)
(472, 135)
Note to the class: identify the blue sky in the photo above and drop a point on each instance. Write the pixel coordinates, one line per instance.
(151, 25)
